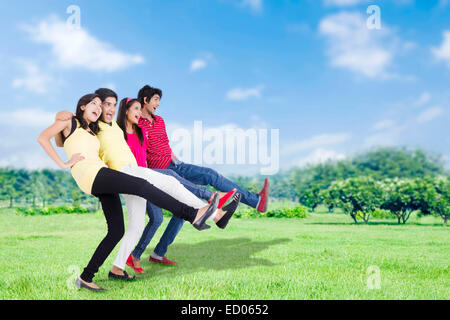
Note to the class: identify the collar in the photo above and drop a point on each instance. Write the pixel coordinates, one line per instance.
(155, 119)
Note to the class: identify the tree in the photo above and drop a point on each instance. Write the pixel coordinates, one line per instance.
(438, 198)
(441, 205)
(358, 196)
(400, 197)
(311, 197)
(8, 188)
(391, 162)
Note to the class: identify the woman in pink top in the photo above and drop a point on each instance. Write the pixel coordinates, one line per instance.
(127, 119)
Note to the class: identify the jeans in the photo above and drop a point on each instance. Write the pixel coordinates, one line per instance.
(206, 176)
(200, 192)
(156, 218)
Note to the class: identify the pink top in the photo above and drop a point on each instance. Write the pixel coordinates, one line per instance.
(139, 151)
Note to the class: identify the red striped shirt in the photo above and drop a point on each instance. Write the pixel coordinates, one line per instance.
(159, 153)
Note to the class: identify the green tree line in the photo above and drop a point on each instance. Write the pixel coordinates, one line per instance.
(310, 186)
(366, 182)
(20, 187)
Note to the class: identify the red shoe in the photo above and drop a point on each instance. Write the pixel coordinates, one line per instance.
(164, 261)
(224, 198)
(263, 197)
(131, 265)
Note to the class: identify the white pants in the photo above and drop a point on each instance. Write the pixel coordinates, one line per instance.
(136, 206)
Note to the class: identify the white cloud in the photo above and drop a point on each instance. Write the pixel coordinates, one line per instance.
(320, 155)
(354, 47)
(34, 80)
(344, 3)
(429, 114)
(443, 52)
(27, 118)
(31, 160)
(385, 135)
(348, 3)
(76, 48)
(202, 61)
(256, 6)
(443, 3)
(198, 64)
(385, 132)
(422, 100)
(315, 142)
(239, 94)
(383, 125)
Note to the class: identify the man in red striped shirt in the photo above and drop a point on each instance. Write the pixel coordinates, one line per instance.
(160, 155)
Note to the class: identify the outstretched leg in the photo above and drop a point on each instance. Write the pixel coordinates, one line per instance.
(197, 190)
(206, 176)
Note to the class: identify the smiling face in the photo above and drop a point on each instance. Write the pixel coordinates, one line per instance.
(134, 112)
(153, 104)
(109, 107)
(92, 110)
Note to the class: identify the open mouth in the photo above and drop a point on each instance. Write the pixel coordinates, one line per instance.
(95, 114)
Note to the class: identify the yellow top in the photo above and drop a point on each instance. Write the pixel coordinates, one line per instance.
(84, 171)
(114, 150)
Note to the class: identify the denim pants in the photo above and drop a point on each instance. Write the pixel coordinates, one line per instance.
(156, 219)
(206, 176)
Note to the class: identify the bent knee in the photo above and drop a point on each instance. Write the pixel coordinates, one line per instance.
(116, 234)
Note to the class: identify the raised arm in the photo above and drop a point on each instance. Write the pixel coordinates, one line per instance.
(63, 116)
(44, 140)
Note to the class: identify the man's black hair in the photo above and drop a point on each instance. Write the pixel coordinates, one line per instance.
(106, 93)
(148, 92)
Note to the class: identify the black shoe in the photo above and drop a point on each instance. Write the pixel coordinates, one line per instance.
(230, 210)
(80, 284)
(200, 224)
(125, 276)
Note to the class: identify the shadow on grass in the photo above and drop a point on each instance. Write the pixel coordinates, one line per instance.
(375, 223)
(216, 255)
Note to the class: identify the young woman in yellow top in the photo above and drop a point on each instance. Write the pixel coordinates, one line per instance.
(94, 177)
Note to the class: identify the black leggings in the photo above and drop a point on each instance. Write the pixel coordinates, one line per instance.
(107, 186)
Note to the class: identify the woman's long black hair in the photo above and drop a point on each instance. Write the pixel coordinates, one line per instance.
(122, 119)
(84, 100)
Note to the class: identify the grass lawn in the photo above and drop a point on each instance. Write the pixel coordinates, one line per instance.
(323, 256)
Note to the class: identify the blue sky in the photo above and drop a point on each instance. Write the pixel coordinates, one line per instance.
(312, 69)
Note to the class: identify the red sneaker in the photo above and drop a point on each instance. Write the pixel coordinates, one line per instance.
(164, 261)
(224, 198)
(131, 265)
(263, 197)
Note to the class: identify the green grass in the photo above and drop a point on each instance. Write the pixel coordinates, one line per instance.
(324, 256)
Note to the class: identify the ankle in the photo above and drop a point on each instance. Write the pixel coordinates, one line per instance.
(117, 270)
(156, 256)
(219, 215)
